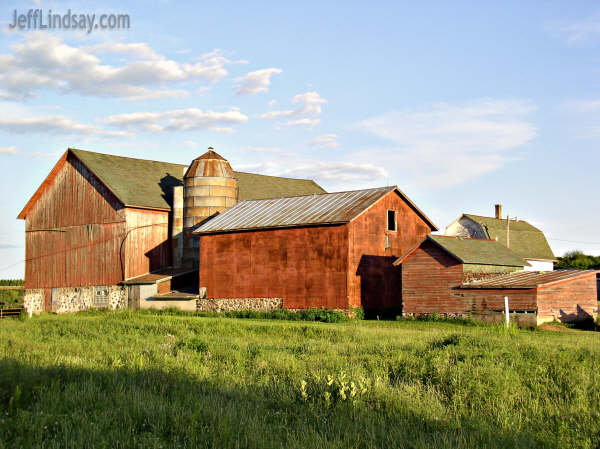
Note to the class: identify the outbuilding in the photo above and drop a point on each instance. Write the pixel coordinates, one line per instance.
(333, 250)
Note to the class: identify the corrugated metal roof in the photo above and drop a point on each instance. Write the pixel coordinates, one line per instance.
(528, 279)
(525, 239)
(478, 251)
(327, 208)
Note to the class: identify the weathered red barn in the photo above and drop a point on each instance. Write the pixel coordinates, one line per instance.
(470, 277)
(98, 221)
(332, 250)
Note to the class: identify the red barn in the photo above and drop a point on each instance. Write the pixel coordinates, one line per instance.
(333, 250)
(101, 222)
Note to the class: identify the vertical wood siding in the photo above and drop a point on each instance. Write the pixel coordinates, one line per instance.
(147, 245)
(73, 232)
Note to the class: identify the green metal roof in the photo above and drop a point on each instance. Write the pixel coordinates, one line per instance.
(149, 184)
(478, 251)
(525, 240)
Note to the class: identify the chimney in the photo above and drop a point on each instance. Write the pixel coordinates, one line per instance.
(498, 208)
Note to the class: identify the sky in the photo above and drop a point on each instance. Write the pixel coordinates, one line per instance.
(462, 105)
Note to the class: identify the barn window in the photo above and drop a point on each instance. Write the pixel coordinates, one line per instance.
(100, 296)
(391, 220)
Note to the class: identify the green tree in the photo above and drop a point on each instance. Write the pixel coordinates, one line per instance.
(578, 260)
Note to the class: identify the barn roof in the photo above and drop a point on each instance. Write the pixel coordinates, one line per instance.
(148, 184)
(525, 239)
(529, 279)
(473, 251)
(307, 210)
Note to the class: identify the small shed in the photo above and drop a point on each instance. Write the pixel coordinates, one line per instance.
(561, 295)
(434, 269)
(457, 276)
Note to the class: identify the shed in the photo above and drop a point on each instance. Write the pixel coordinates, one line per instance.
(332, 250)
(436, 266)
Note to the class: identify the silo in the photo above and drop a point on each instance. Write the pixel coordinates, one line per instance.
(209, 187)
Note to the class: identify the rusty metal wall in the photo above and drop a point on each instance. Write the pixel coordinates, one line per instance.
(307, 267)
(73, 232)
(373, 283)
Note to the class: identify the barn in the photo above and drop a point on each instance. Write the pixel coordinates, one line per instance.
(458, 276)
(102, 229)
(332, 250)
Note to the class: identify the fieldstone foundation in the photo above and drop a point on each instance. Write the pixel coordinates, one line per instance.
(75, 299)
(233, 304)
(33, 300)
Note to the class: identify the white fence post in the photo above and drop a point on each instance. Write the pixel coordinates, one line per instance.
(506, 311)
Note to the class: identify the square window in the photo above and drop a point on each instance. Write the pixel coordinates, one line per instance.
(100, 296)
(391, 220)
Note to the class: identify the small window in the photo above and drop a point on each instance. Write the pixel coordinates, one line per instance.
(391, 220)
(100, 296)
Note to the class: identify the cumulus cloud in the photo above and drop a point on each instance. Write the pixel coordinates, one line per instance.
(445, 144)
(44, 61)
(53, 124)
(255, 82)
(177, 120)
(326, 141)
(308, 107)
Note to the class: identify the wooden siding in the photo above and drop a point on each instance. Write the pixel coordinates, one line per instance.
(73, 232)
(568, 300)
(307, 267)
(429, 280)
(147, 245)
(373, 283)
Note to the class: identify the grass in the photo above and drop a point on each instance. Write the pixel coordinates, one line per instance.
(130, 379)
(10, 299)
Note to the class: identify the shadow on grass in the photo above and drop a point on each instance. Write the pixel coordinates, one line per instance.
(61, 406)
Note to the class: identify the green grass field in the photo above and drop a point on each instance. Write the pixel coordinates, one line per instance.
(133, 379)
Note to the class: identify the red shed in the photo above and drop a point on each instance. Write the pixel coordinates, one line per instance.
(333, 250)
(461, 276)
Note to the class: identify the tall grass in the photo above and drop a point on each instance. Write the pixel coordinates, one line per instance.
(128, 379)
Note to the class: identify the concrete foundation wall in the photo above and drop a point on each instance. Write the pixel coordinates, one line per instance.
(33, 300)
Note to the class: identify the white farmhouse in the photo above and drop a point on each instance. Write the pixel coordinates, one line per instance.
(522, 238)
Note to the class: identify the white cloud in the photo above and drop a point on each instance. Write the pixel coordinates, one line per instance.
(272, 103)
(53, 124)
(255, 82)
(337, 172)
(190, 144)
(581, 31)
(326, 141)
(43, 61)
(309, 105)
(9, 150)
(177, 120)
(444, 144)
(303, 122)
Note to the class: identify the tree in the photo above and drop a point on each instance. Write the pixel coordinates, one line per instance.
(578, 260)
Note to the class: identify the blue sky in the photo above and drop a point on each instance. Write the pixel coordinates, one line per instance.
(460, 104)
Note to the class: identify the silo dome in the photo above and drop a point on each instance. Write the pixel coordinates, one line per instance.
(209, 187)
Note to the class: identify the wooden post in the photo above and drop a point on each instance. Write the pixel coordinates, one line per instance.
(506, 311)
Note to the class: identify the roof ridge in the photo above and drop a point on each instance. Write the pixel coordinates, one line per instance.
(125, 157)
(494, 218)
(318, 194)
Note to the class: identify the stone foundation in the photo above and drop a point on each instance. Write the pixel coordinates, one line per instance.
(33, 300)
(233, 304)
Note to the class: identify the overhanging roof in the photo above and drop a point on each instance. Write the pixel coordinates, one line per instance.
(472, 251)
(149, 184)
(307, 210)
(529, 279)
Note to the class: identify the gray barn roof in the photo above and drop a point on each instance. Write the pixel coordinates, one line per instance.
(528, 279)
(323, 209)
